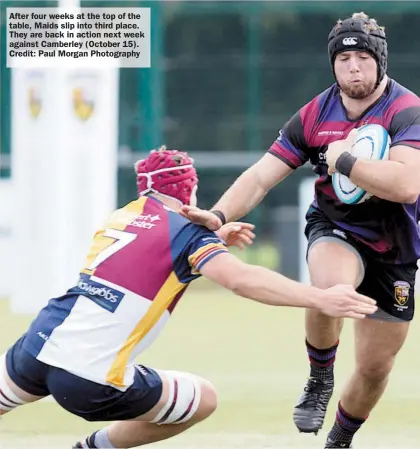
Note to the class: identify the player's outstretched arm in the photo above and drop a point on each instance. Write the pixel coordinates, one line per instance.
(245, 193)
(266, 286)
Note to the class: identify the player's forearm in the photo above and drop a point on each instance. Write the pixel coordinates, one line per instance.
(388, 180)
(243, 196)
(268, 287)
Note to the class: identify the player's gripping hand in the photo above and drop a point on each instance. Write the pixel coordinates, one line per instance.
(237, 234)
(202, 217)
(337, 148)
(344, 301)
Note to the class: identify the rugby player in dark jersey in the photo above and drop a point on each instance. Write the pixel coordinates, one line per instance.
(374, 245)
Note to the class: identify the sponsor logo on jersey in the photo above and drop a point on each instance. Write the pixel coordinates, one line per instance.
(43, 336)
(106, 297)
(145, 221)
(330, 133)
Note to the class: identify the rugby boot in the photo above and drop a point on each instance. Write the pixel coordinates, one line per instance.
(332, 444)
(309, 413)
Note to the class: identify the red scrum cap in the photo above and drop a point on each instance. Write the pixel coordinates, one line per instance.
(167, 172)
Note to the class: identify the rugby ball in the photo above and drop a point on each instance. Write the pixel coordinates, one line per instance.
(372, 142)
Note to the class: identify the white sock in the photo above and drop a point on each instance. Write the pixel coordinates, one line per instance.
(101, 440)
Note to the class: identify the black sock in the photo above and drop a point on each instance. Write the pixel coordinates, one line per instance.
(322, 361)
(345, 426)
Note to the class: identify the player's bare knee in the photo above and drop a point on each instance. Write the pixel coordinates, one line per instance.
(208, 402)
(376, 371)
(333, 262)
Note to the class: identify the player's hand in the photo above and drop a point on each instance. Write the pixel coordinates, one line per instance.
(335, 149)
(201, 217)
(237, 234)
(344, 301)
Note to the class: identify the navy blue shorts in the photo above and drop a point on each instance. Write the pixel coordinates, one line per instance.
(391, 285)
(89, 400)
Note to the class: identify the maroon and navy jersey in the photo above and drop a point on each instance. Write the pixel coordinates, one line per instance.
(138, 267)
(389, 229)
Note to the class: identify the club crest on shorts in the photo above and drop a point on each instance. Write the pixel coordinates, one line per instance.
(401, 292)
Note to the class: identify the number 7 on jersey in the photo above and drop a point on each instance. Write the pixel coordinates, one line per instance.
(121, 240)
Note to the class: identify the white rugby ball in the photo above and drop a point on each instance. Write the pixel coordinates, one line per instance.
(372, 142)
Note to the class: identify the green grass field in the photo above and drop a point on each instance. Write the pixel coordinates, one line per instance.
(256, 358)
